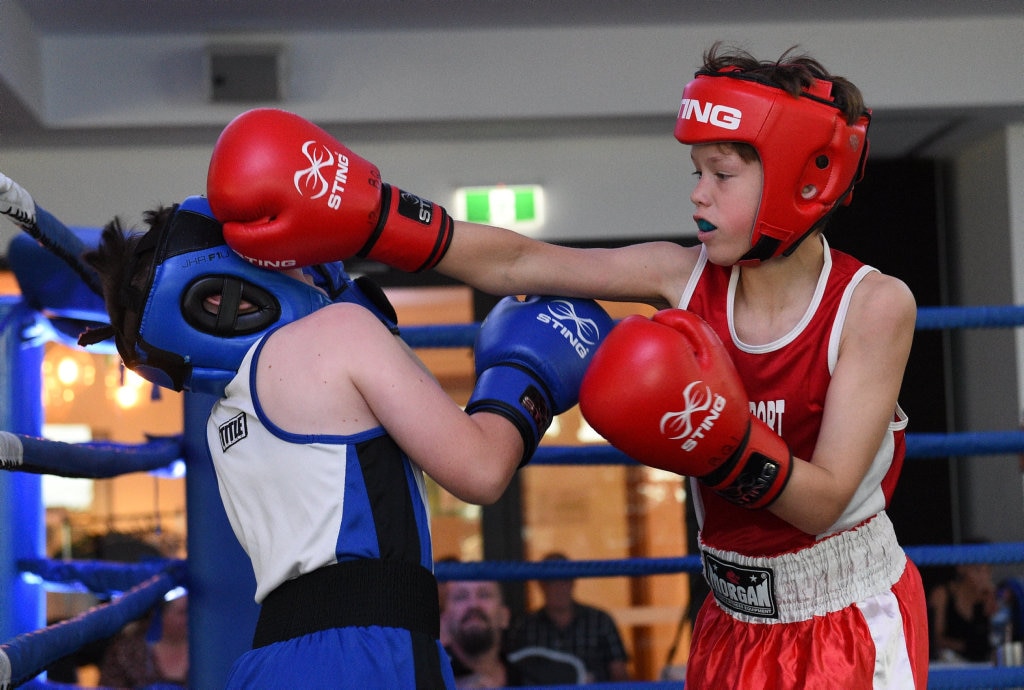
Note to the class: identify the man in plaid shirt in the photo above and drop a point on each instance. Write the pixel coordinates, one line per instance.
(566, 625)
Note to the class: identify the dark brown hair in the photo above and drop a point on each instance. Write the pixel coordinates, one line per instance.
(793, 72)
(112, 260)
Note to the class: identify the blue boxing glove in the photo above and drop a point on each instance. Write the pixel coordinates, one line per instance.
(530, 360)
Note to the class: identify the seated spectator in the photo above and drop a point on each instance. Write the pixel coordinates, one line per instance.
(960, 615)
(150, 651)
(565, 625)
(473, 622)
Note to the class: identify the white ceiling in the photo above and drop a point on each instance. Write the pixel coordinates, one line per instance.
(187, 16)
(895, 132)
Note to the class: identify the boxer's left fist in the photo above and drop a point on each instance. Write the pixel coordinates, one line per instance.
(531, 357)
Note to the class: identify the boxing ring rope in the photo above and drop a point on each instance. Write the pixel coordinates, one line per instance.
(26, 655)
(928, 319)
(95, 460)
(139, 587)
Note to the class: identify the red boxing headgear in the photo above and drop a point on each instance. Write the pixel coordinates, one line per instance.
(801, 140)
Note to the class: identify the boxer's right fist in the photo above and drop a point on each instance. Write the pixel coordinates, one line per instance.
(290, 195)
(665, 392)
(531, 357)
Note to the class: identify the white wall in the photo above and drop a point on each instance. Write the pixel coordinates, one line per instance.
(1015, 201)
(608, 186)
(437, 75)
(987, 269)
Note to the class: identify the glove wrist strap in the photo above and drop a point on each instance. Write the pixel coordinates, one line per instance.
(412, 234)
(757, 473)
(512, 392)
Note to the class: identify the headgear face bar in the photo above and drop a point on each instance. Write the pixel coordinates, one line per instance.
(802, 141)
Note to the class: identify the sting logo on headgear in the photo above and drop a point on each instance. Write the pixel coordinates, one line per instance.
(680, 425)
(810, 156)
(585, 332)
(717, 115)
(183, 341)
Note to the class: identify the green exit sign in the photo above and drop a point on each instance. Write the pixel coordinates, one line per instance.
(516, 207)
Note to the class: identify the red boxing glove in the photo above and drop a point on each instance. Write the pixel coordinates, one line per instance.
(665, 392)
(290, 195)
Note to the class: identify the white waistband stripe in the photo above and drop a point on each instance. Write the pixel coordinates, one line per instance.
(834, 573)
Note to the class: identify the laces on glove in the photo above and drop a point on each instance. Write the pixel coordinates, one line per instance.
(16, 203)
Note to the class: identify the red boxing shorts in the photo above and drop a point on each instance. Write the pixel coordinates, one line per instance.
(848, 612)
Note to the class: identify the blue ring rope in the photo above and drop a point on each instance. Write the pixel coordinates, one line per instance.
(928, 319)
(111, 459)
(29, 654)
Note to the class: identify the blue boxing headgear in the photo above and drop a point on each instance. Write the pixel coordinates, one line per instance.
(181, 344)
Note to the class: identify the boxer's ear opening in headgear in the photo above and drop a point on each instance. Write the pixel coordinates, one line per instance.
(244, 307)
(802, 141)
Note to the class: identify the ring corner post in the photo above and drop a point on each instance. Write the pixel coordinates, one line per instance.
(22, 535)
(222, 615)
